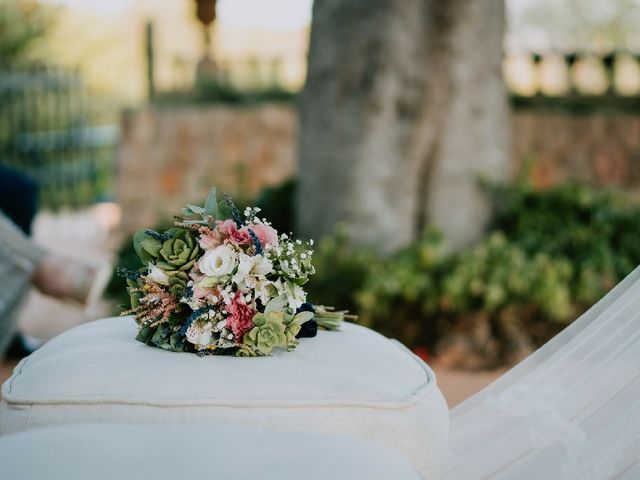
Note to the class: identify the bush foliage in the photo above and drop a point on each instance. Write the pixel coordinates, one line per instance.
(547, 257)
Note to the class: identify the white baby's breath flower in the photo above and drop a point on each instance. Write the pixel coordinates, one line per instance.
(157, 275)
(297, 297)
(294, 294)
(219, 261)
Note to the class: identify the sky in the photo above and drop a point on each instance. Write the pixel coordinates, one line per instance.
(292, 14)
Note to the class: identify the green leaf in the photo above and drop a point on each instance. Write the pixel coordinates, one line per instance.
(151, 246)
(138, 237)
(211, 204)
(160, 337)
(146, 247)
(194, 222)
(304, 317)
(209, 282)
(276, 304)
(196, 209)
(145, 334)
(175, 340)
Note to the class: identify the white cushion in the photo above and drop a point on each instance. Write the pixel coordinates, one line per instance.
(354, 382)
(169, 452)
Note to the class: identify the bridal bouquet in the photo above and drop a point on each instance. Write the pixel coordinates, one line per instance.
(222, 282)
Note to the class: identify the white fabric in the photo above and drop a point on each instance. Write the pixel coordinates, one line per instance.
(354, 382)
(170, 452)
(569, 411)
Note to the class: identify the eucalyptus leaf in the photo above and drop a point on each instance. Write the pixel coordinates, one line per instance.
(209, 282)
(276, 304)
(196, 209)
(211, 204)
(195, 222)
(304, 317)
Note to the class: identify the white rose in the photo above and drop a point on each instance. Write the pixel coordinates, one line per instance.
(199, 334)
(218, 261)
(157, 275)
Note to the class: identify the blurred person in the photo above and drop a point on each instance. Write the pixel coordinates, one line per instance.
(24, 264)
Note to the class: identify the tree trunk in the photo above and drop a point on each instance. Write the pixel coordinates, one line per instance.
(403, 109)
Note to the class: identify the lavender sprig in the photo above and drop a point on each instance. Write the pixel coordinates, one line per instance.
(162, 237)
(129, 274)
(193, 317)
(235, 213)
(256, 241)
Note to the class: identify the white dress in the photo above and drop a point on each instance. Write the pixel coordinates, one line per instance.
(569, 411)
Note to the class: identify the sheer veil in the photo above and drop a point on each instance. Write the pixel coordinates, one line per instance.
(569, 411)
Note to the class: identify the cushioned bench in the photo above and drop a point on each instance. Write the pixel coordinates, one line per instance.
(169, 452)
(354, 382)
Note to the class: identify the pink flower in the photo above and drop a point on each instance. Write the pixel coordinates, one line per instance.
(266, 234)
(209, 239)
(238, 237)
(240, 319)
(207, 294)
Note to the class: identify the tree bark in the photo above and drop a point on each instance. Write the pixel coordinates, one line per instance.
(403, 108)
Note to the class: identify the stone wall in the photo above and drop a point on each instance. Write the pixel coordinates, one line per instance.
(599, 149)
(170, 157)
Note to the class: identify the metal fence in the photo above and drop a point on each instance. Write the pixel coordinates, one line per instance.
(47, 132)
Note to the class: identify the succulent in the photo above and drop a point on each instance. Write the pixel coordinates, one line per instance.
(180, 251)
(293, 324)
(245, 351)
(174, 252)
(268, 333)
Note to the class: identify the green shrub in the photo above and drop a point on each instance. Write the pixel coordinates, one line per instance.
(550, 255)
(596, 231)
(422, 292)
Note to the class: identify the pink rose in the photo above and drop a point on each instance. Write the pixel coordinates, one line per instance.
(265, 233)
(238, 237)
(240, 319)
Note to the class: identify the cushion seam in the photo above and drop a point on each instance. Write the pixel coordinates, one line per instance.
(230, 403)
(425, 387)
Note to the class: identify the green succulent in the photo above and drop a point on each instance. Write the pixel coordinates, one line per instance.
(293, 324)
(268, 332)
(179, 252)
(245, 351)
(175, 254)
